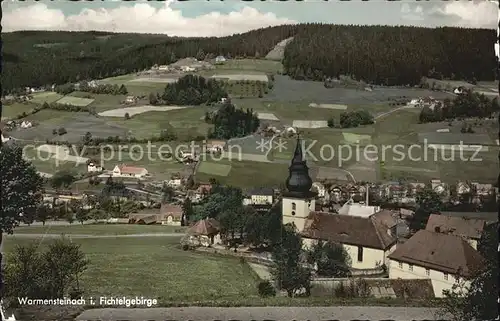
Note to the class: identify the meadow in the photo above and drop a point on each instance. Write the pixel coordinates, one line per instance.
(155, 267)
(10, 111)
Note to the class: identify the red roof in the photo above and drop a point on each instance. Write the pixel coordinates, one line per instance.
(131, 170)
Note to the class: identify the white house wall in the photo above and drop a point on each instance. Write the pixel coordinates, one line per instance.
(372, 258)
(262, 199)
(439, 283)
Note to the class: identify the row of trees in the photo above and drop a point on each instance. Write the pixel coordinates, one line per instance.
(107, 89)
(466, 105)
(231, 122)
(377, 54)
(189, 90)
(352, 119)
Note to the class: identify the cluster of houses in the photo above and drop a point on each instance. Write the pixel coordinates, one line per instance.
(402, 193)
(423, 102)
(186, 65)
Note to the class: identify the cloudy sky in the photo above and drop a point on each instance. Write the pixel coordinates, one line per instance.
(216, 18)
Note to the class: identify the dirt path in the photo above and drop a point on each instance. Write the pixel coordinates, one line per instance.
(261, 313)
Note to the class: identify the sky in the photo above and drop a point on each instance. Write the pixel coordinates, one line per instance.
(220, 18)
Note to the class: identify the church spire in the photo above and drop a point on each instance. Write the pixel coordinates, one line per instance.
(298, 181)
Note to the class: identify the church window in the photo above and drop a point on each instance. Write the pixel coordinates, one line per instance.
(293, 212)
(360, 254)
(294, 207)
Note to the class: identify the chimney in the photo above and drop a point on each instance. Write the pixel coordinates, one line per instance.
(437, 229)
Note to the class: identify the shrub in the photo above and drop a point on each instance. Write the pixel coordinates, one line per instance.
(185, 247)
(127, 116)
(61, 131)
(266, 289)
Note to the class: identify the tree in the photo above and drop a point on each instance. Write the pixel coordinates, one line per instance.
(81, 215)
(331, 259)
(127, 116)
(87, 138)
(187, 211)
(288, 272)
(21, 186)
(153, 100)
(428, 202)
(331, 122)
(479, 300)
(167, 193)
(63, 178)
(190, 182)
(123, 90)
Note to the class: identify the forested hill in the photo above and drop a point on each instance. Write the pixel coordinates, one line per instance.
(391, 55)
(378, 54)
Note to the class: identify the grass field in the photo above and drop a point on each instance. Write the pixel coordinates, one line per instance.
(155, 267)
(47, 96)
(213, 168)
(152, 123)
(44, 162)
(265, 66)
(97, 229)
(249, 174)
(16, 109)
(75, 101)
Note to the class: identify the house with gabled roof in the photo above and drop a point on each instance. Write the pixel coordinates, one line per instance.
(442, 258)
(469, 229)
(130, 171)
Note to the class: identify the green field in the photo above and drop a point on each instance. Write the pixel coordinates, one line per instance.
(75, 101)
(155, 267)
(97, 229)
(46, 164)
(12, 110)
(101, 102)
(47, 96)
(260, 65)
(185, 123)
(213, 168)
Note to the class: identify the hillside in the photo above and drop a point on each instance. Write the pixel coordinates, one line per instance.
(378, 54)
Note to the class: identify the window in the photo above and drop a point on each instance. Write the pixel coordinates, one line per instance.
(294, 207)
(427, 272)
(293, 212)
(410, 267)
(360, 254)
(400, 265)
(445, 275)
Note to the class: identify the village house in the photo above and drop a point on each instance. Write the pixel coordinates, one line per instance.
(261, 196)
(489, 217)
(129, 171)
(215, 146)
(220, 60)
(171, 214)
(202, 191)
(442, 258)
(482, 189)
(131, 99)
(463, 188)
(414, 188)
(94, 167)
(26, 124)
(469, 229)
(174, 182)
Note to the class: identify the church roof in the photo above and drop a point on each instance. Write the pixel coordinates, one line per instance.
(298, 181)
(369, 232)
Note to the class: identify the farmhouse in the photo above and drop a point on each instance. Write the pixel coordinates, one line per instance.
(469, 229)
(368, 238)
(220, 60)
(129, 171)
(215, 145)
(442, 258)
(130, 99)
(163, 68)
(171, 214)
(94, 167)
(260, 196)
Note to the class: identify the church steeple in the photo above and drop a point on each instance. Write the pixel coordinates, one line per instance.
(298, 181)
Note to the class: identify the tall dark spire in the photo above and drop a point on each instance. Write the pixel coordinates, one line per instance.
(298, 180)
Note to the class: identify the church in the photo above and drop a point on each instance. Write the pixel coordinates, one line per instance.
(367, 239)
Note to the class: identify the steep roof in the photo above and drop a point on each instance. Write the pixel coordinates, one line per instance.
(262, 191)
(208, 226)
(459, 226)
(372, 232)
(487, 216)
(131, 170)
(171, 210)
(442, 252)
